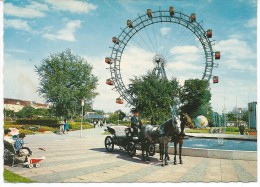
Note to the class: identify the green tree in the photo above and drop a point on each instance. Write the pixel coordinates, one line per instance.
(65, 79)
(9, 113)
(195, 96)
(42, 112)
(153, 96)
(118, 114)
(231, 116)
(26, 112)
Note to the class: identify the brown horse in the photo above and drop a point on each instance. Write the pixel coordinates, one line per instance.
(178, 138)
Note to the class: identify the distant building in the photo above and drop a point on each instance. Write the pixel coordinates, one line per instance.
(95, 116)
(16, 105)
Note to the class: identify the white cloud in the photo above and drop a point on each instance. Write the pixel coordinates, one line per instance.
(106, 100)
(33, 10)
(67, 33)
(17, 24)
(251, 23)
(237, 54)
(73, 6)
(135, 62)
(20, 79)
(165, 30)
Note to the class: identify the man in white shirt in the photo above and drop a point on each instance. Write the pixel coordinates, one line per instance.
(7, 136)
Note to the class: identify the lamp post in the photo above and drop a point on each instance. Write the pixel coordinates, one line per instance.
(82, 105)
(118, 118)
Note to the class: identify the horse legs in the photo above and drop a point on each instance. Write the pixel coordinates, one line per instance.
(144, 146)
(143, 150)
(161, 150)
(146, 150)
(175, 152)
(180, 151)
(166, 153)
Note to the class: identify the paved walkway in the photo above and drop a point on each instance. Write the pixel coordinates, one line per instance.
(70, 159)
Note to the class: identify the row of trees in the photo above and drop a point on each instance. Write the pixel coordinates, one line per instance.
(66, 79)
(28, 112)
(153, 96)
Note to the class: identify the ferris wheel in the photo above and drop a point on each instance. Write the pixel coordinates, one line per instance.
(163, 41)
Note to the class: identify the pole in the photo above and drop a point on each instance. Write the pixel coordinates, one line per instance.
(81, 123)
(82, 105)
(118, 118)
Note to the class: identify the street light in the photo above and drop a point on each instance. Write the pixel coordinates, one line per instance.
(82, 105)
(118, 118)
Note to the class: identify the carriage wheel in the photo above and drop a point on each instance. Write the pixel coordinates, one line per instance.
(37, 165)
(109, 144)
(151, 149)
(30, 166)
(131, 149)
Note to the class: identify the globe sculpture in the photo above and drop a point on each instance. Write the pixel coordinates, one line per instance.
(201, 122)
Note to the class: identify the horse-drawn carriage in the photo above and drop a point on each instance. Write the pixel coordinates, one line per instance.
(123, 137)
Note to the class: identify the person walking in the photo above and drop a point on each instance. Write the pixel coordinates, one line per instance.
(66, 126)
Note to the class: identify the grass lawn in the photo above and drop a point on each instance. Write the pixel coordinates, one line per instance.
(12, 177)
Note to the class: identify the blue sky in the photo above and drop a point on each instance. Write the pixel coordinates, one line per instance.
(35, 29)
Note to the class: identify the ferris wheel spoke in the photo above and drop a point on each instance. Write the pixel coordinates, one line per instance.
(173, 38)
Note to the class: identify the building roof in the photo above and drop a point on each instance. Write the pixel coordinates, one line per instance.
(95, 116)
(8, 101)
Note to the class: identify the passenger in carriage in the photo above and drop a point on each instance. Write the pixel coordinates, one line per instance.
(136, 122)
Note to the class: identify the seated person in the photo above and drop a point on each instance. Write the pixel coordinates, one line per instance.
(7, 136)
(135, 122)
(18, 145)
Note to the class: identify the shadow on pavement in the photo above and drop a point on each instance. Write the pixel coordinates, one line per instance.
(122, 154)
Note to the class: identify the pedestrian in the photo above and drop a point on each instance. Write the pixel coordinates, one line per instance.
(62, 127)
(19, 145)
(8, 136)
(66, 126)
(135, 122)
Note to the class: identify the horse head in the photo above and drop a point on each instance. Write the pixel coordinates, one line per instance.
(186, 120)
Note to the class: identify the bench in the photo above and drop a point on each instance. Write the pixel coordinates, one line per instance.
(10, 153)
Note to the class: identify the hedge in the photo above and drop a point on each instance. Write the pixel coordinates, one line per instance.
(42, 122)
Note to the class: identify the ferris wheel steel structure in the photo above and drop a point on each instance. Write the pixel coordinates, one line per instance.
(160, 16)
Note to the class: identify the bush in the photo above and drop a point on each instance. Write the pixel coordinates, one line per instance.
(42, 122)
(232, 129)
(77, 125)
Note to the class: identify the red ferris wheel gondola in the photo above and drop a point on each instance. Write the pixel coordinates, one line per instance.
(119, 101)
(215, 79)
(109, 82)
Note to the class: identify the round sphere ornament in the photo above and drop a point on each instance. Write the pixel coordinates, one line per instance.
(201, 122)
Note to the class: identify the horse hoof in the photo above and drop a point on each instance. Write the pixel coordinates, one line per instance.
(181, 162)
(174, 163)
(166, 163)
(162, 165)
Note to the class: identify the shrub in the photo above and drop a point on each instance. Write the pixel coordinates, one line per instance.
(42, 122)
(77, 125)
(232, 129)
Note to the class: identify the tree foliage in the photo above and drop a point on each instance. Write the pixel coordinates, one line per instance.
(195, 97)
(153, 96)
(117, 115)
(65, 79)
